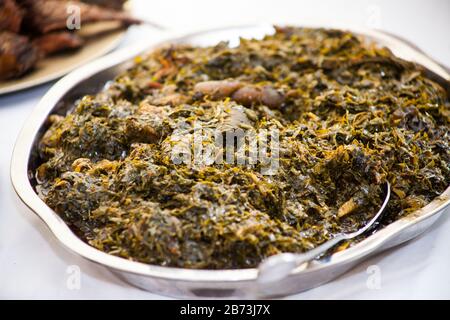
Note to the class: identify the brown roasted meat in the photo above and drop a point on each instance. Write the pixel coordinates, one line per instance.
(17, 55)
(43, 16)
(113, 4)
(58, 41)
(33, 29)
(11, 16)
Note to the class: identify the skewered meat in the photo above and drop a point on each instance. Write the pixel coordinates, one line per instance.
(43, 16)
(10, 16)
(17, 55)
(58, 41)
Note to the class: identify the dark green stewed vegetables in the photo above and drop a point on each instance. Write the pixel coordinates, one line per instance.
(349, 115)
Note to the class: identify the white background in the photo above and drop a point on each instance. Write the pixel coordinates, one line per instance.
(34, 265)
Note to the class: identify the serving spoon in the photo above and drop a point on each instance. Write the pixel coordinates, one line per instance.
(280, 266)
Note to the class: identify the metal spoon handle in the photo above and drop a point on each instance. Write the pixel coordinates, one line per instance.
(281, 265)
(317, 251)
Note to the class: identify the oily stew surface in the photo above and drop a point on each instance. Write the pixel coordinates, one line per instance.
(349, 115)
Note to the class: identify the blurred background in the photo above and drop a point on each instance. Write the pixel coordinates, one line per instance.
(426, 23)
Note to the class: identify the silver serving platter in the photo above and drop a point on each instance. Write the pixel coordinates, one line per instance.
(188, 283)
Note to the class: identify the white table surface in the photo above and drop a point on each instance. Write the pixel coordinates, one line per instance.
(32, 263)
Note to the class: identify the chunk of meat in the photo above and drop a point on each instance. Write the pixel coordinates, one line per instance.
(217, 89)
(272, 98)
(57, 41)
(246, 95)
(10, 16)
(17, 55)
(43, 16)
(113, 4)
(250, 95)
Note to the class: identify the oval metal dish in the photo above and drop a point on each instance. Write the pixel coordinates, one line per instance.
(204, 283)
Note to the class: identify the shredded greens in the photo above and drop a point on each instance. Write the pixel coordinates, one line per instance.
(350, 116)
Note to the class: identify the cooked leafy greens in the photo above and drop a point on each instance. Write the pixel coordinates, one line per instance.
(350, 115)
